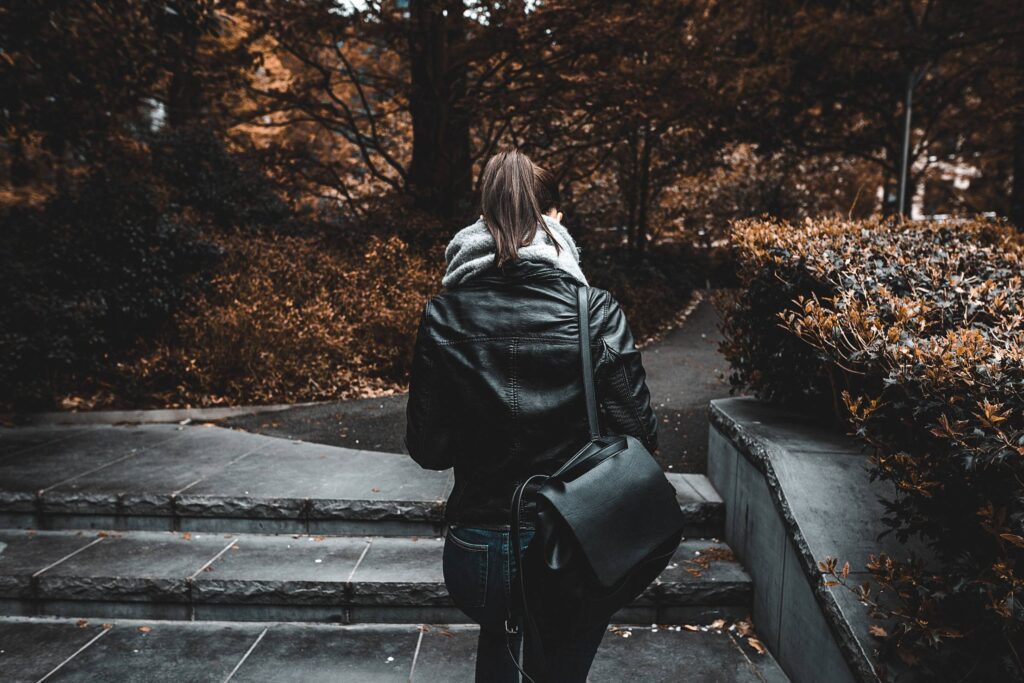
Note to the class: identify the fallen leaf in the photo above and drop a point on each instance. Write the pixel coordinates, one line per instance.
(107, 626)
(757, 645)
(1013, 538)
(718, 623)
(187, 536)
(82, 623)
(691, 627)
(877, 630)
(145, 629)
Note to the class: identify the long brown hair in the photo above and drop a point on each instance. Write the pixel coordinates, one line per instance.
(508, 202)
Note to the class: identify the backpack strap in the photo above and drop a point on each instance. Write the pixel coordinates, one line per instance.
(586, 363)
(519, 619)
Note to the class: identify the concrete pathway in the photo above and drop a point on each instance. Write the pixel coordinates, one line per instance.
(684, 370)
(152, 652)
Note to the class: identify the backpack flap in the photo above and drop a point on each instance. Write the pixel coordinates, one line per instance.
(619, 510)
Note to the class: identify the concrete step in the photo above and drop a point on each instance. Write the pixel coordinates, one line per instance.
(146, 652)
(210, 479)
(246, 577)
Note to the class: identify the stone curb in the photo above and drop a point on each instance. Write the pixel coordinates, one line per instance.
(155, 416)
(52, 510)
(755, 451)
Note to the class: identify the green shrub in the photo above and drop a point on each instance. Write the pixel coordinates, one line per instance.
(914, 333)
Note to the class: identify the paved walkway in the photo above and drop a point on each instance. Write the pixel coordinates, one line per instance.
(685, 371)
(151, 652)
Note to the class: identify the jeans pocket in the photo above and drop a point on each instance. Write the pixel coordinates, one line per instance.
(465, 572)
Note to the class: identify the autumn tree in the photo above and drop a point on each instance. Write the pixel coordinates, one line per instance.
(840, 72)
(399, 88)
(624, 99)
(81, 81)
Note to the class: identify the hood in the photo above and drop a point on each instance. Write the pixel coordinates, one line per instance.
(471, 252)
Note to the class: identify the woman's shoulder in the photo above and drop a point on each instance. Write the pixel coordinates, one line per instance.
(602, 303)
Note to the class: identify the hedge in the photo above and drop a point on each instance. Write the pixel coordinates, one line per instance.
(912, 333)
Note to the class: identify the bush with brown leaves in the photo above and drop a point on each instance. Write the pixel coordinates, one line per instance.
(914, 334)
(289, 319)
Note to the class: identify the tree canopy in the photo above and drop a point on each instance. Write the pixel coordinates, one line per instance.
(637, 108)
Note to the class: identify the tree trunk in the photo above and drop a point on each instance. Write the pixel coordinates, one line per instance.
(19, 171)
(631, 209)
(891, 180)
(628, 187)
(440, 175)
(185, 92)
(1017, 191)
(644, 192)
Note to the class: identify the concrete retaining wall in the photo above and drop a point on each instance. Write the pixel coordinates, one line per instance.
(794, 494)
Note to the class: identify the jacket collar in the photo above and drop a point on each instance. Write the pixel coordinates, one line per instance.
(520, 270)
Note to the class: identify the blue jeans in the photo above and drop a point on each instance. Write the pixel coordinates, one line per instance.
(479, 574)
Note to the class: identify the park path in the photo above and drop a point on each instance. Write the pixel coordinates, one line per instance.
(684, 372)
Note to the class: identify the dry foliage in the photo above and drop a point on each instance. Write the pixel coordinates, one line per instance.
(290, 319)
(916, 333)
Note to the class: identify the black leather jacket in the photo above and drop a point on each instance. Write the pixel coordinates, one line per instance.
(496, 390)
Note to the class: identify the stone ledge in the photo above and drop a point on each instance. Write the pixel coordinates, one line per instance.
(205, 478)
(796, 493)
(146, 416)
(247, 514)
(149, 574)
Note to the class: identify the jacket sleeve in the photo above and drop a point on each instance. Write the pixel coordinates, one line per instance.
(622, 383)
(428, 427)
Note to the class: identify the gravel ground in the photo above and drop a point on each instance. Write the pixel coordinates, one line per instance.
(684, 372)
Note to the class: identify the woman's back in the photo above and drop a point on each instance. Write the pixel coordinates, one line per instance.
(496, 388)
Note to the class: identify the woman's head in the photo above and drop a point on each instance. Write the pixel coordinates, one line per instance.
(509, 203)
(547, 193)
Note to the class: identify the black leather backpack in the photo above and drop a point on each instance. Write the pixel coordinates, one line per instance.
(607, 524)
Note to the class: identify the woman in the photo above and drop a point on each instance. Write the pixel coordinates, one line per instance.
(496, 393)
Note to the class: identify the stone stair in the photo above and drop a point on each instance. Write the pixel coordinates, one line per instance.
(254, 577)
(200, 529)
(130, 651)
(204, 478)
